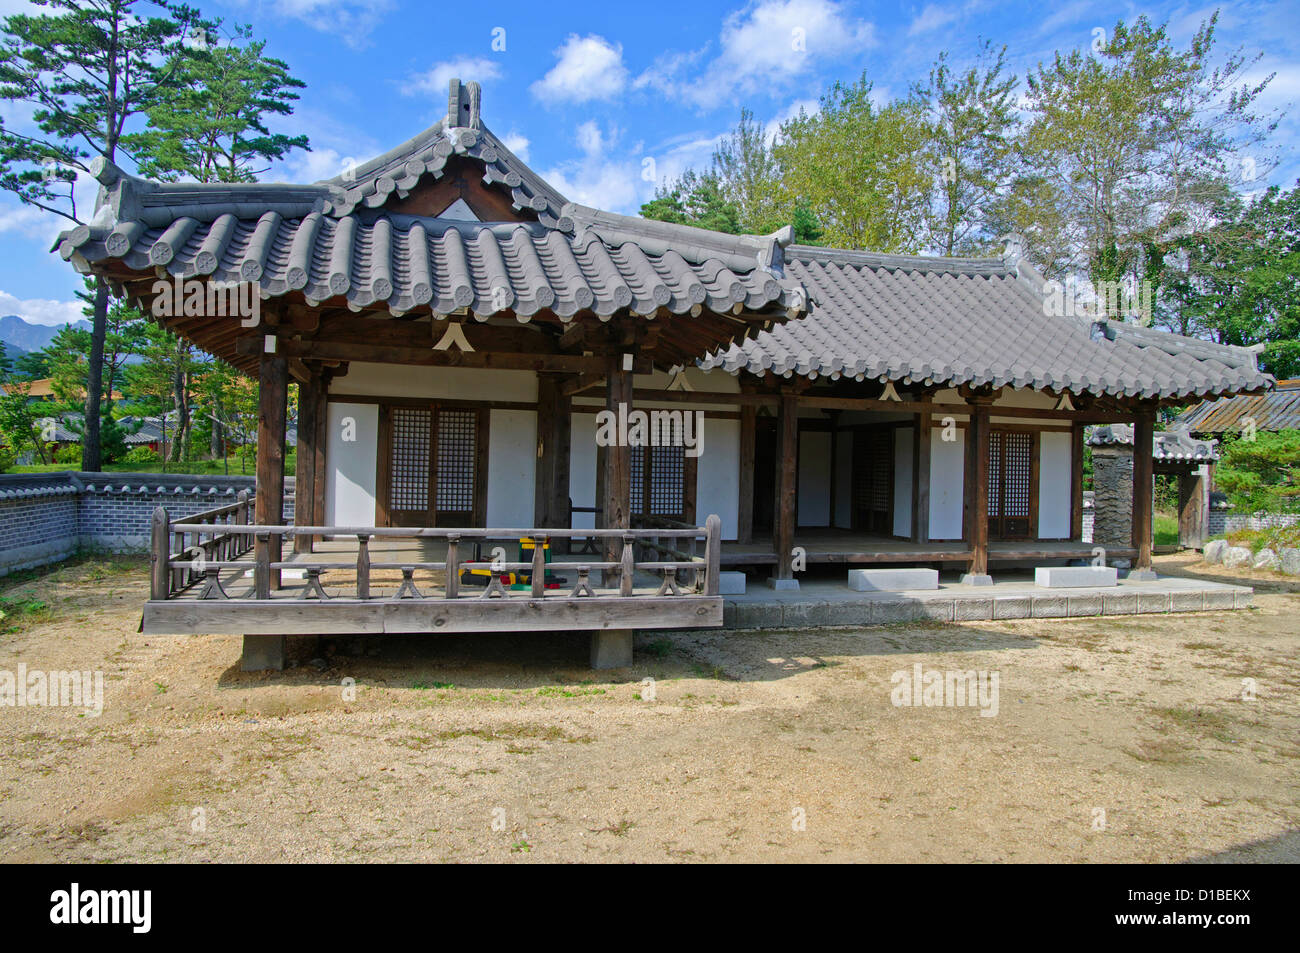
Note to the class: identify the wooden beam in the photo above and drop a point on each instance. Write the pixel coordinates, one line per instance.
(582, 383)
(273, 381)
(427, 357)
(935, 409)
(1143, 487)
(745, 464)
(648, 395)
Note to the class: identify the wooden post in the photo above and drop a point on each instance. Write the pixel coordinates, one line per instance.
(158, 552)
(1143, 488)
(322, 434)
(921, 480)
(1076, 481)
(787, 474)
(712, 555)
(304, 496)
(537, 578)
(262, 566)
(241, 519)
(453, 567)
(977, 493)
(628, 572)
(273, 382)
(617, 502)
(363, 566)
(745, 510)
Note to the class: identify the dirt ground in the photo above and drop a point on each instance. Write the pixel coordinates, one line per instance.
(1115, 740)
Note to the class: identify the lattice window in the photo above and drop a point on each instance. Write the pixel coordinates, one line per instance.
(658, 481)
(873, 479)
(457, 449)
(409, 470)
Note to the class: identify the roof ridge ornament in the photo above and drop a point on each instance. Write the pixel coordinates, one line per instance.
(1015, 248)
(463, 104)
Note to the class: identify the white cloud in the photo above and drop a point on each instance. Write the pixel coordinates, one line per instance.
(586, 68)
(516, 143)
(766, 46)
(931, 18)
(41, 310)
(434, 81)
(350, 20)
(601, 178)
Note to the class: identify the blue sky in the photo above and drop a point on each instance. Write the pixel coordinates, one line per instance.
(594, 96)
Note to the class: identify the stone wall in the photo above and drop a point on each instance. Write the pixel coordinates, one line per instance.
(45, 517)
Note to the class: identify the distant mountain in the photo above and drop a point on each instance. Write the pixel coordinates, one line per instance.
(21, 335)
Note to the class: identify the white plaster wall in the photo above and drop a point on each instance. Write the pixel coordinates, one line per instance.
(844, 480)
(453, 383)
(947, 459)
(512, 468)
(814, 479)
(903, 437)
(717, 484)
(582, 468)
(350, 464)
(1055, 472)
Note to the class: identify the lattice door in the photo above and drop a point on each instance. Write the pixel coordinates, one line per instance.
(408, 466)
(1011, 470)
(873, 480)
(456, 476)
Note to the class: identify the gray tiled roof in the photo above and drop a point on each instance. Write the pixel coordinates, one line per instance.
(405, 262)
(972, 321)
(334, 238)
(1170, 445)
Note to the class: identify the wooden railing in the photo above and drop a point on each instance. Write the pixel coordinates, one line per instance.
(198, 548)
(179, 555)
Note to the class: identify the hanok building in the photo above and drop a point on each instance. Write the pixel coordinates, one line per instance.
(455, 326)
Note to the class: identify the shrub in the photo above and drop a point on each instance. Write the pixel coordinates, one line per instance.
(140, 454)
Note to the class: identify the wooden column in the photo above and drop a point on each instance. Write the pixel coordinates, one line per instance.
(921, 480)
(1143, 488)
(786, 476)
(1076, 481)
(554, 431)
(745, 508)
(304, 497)
(617, 485)
(272, 396)
(977, 492)
(322, 437)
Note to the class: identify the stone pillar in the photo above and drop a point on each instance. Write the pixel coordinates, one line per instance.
(1112, 485)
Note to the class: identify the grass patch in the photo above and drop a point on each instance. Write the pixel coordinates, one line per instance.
(21, 612)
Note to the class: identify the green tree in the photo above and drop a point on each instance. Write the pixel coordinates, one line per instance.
(85, 68)
(695, 199)
(20, 423)
(972, 126)
(1132, 146)
(859, 168)
(1262, 475)
(214, 128)
(1240, 281)
(750, 176)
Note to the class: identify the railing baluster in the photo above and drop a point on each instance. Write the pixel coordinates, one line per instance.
(363, 566)
(262, 566)
(453, 567)
(539, 568)
(625, 579)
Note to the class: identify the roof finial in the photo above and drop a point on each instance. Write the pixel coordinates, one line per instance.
(463, 104)
(1015, 249)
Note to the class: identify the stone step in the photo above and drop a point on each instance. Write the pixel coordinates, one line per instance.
(892, 580)
(1075, 577)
